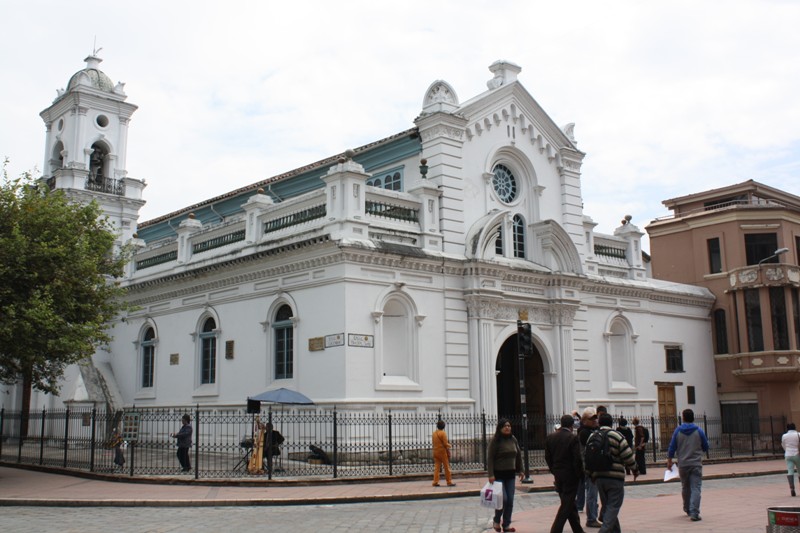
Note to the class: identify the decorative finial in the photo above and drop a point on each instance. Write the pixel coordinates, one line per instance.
(423, 168)
(95, 50)
(349, 154)
(191, 216)
(260, 191)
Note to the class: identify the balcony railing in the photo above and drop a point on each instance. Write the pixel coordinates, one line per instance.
(106, 185)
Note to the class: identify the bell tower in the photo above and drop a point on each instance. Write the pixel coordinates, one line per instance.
(86, 143)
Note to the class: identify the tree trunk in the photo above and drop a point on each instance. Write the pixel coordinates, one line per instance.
(27, 386)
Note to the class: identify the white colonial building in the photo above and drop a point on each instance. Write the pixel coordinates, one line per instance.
(390, 276)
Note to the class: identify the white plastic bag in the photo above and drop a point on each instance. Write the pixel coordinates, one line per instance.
(492, 495)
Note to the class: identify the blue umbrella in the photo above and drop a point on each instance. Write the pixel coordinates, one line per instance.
(283, 396)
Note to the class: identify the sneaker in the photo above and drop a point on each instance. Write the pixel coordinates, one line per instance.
(451, 484)
(434, 485)
(695, 518)
(593, 523)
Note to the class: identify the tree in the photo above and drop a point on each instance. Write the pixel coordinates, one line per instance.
(58, 288)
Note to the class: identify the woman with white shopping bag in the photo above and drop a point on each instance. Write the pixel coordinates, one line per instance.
(505, 464)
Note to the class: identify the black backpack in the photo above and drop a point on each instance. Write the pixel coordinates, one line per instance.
(597, 454)
(646, 434)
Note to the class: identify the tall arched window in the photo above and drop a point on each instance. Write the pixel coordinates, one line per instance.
(396, 324)
(148, 358)
(518, 226)
(283, 329)
(398, 353)
(620, 354)
(208, 352)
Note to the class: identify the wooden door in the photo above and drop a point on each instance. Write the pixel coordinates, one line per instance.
(667, 414)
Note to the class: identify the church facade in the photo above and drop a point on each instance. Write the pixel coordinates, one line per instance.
(390, 276)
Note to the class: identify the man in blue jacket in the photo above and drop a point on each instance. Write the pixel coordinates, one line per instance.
(687, 446)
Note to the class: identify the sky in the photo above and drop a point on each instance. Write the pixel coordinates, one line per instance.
(668, 97)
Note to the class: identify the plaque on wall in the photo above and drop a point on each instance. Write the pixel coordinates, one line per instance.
(316, 344)
(334, 340)
(174, 358)
(362, 341)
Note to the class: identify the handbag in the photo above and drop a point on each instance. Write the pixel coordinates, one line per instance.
(492, 495)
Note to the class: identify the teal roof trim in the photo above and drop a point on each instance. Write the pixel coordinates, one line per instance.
(374, 156)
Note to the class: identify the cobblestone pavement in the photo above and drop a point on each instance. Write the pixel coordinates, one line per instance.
(647, 508)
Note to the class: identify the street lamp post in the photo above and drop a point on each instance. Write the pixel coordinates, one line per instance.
(524, 349)
(778, 252)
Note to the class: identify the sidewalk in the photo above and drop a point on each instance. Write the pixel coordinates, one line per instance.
(25, 487)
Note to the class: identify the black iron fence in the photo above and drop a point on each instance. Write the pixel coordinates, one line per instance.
(316, 443)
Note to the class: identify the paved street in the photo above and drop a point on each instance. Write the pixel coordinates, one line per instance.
(735, 505)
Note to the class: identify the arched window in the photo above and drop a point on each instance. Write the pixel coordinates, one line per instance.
(396, 329)
(148, 358)
(519, 236)
(283, 329)
(620, 354)
(208, 352)
(398, 365)
(392, 181)
(97, 164)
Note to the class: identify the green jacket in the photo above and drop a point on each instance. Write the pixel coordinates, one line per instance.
(504, 455)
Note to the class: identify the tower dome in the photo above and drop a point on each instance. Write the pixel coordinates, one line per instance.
(92, 76)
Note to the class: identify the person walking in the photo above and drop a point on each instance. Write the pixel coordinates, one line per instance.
(640, 439)
(505, 463)
(441, 455)
(611, 481)
(184, 440)
(790, 442)
(587, 490)
(687, 445)
(562, 453)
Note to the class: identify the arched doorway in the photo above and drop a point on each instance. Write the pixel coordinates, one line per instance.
(508, 396)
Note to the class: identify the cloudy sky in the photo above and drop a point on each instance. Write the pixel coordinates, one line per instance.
(668, 97)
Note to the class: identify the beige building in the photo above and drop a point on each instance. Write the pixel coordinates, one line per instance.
(742, 242)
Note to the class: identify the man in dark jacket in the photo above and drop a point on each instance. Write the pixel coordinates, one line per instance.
(688, 444)
(611, 483)
(562, 452)
(640, 445)
(184, 440)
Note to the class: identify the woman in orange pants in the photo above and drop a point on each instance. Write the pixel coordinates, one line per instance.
(441, 455)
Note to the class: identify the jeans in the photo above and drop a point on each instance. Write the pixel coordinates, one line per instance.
(691, 484)
(612, 492)
(793, 465)
(587, 493)
(508, 502)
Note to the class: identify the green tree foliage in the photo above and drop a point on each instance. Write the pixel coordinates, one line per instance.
(58, 266)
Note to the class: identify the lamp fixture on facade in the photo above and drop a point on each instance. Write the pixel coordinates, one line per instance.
(778, 252)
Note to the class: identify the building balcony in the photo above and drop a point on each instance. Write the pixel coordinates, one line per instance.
(764, 275)
(765, 367)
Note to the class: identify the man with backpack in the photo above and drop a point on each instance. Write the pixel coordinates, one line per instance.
(688, 444)
(562, 453)
(640, 439)
(606, 456)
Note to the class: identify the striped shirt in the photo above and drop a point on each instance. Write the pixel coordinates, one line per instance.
(621, 453)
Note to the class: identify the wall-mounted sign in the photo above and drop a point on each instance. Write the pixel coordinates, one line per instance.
(228, 349)
(362, 341)
(316, 344)
(334, 340)
(174, 358)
